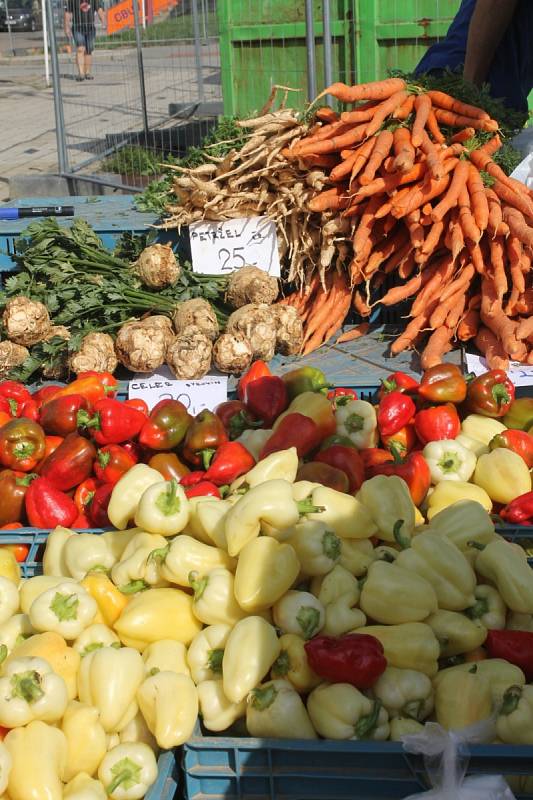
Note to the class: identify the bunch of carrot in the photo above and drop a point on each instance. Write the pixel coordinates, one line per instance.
(428, 206)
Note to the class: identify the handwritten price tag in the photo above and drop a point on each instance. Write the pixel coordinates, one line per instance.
(206, 392)
(520, 374)
(219, 248)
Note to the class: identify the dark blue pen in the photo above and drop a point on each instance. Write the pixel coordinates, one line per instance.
(36, 211)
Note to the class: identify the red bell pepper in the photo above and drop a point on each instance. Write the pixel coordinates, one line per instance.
(340, 396)
(230, 461)
(203, 489)
(355, 658)
(266, 398)
(113, 422)
(193, 478)
(236, 418)
(30, 410)
(395, 410)
(135, 451)
(259, 369)
(5, 417)
(139, 405)
(48, 507)
(70, 464)
(519, 442)
(81, 522)
(22, 444)
(16, 395)
(413, 469)
(13, 488)
(169, 465)
(97, 511)
(336, 438)
(93, 386)
(516, 647)
(46, 393)
(519, 511)
(325, 474)
(166, 426)
(491, 394)
(375, 456)
(205, 434)
(59, 416)
(443, 383)
(51, 443)
(436, 423)
(403, 440)
(84, 494)
(294, 430)
(8, 407)
(397, 382)
(112, 462)
(346, 459)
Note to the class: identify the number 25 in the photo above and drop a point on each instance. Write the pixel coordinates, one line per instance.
(230, 261)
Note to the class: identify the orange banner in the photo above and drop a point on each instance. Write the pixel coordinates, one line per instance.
(121, 15)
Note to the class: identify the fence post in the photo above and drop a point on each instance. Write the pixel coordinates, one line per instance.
(62, 156)
(310, 45)
(140, 66)
(197, 50)
(328, 58)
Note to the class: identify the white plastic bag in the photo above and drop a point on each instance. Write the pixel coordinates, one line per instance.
(446, 761)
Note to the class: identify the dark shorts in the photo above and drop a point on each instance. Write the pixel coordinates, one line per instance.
(84, 39)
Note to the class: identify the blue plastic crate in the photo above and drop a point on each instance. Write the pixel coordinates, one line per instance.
(166, 785)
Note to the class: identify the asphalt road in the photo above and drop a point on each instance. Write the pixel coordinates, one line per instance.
(20, 40)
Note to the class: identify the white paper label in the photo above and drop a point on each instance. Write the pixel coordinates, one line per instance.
(197, 395)
(519, 374)
(219, 248)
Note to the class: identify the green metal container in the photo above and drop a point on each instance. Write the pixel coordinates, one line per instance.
(262, 43)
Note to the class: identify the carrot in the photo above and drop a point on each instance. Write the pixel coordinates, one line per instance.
(483, 162)
(397, 258)
(450, 304)
(416, 231)
(498, 267)
(456, 312)
(403, 292)
(459, 178)
(390, 182)
(343, 169)
(469, 325)
(403, 111)
(434, 162)
(384, 110)
(384, 249)
(358, 115)
(493, 317)
(438, 344)
(363, 154)
(525, 328)
(491, 347)
(439, 275)
(376, 90)
(365, 224)
(326, 114)
(516, 256)
(324, 132)
(524, 304)
(354, 333)
(407, 266)
(422, 109)
(404, 150)
(478, 198)
(379, 153)
(463, 136)
(449, 103)
(466, 219)
(464, 278)
(331, 199)
(433, 128)
(457, 238)
(492, 146)
(360, 304)
(432, 239)
(406, 339)
(454, 120)
(518, 226)
(511, 198)
(326, 161)
(332, 145)
(495, 212)
(420, 194)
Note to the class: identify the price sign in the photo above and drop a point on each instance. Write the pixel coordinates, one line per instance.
(197, 395)
(219, 248)
(519, 374)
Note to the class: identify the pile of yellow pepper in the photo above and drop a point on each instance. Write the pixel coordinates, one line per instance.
(208, 606)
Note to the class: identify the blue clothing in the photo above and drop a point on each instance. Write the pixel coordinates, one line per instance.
(511, 72)
(84, 39)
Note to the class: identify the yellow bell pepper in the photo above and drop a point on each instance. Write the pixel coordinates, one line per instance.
(463, 522)
(462, 699)
(66, 609)
(206, 651)
(404, 726)
(317, 407)
(206, 522)
(356, 556)
(339, 594)
(503, 474)
(108, 679)
(318, 549)
(31, 588)
(282, 465)
(39, 756)
(489, 607)
(481, 429)
(9, 599)
(292, 664)
(157, 614)
(499, 673)
(254, 441)
(456, 633)
(109, 600)
(51, 647)
(15, 630)
(94, 637)
(137, 731)
(358, 421)
(54, 562)
(388, 500)
(506, 567)
(266, 569)
(514, 723)
(83, 787)
(194, 527)
(5, 768)
(347, 516)
(163, 509)
(519, 622)
(9, 567)
(299, 612)
(303, 489)
(392, 595)
(86, 739)
(117, 541)
(166, 655)
(137, 567)
(340, 711)
(448, 493)
(128, 770)
(126, 495)
(169, 704)
(84, 552)
(218, 713)
(275, 709)
(405, 693)
(185, 555)
(412, 645)
(442, 564)
(30, 690)
(251, 649)
(214, 597)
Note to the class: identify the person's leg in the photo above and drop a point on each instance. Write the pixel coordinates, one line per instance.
(89, 46)
(79, 40)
